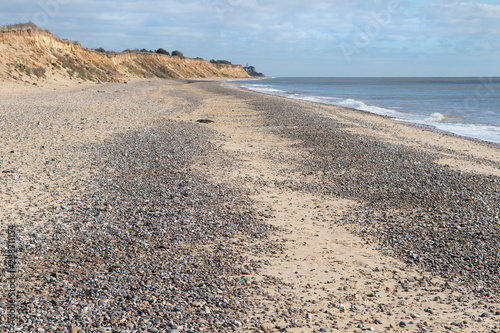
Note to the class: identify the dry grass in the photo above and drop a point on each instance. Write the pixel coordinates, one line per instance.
(21, 27)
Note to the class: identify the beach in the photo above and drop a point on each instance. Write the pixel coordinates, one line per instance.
(195, 205)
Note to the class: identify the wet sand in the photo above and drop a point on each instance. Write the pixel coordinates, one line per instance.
(277, 215)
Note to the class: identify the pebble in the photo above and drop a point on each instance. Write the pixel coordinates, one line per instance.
(150, 239)
(137, 240)
(428, 199)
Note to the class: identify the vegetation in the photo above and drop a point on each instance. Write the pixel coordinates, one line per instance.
(178, 54)
(21, 27)
(99, 66)
(83, 70)
(39, 72)
(220, 62)
(162, 51)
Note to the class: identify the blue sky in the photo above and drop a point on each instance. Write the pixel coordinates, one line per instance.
(288, 38)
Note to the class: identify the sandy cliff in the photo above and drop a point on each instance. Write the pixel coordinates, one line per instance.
(29, 54)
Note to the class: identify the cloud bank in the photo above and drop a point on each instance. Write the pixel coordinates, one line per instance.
(289, 38)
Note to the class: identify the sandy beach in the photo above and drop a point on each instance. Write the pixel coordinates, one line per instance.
(196, 206)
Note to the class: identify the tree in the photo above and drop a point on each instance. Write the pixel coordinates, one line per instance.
(177, 54)
(163, 51)
(220, 62)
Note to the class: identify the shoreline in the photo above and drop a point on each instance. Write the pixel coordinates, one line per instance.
(433, 128)
(278, 215)
(488, 145)
(437, 130)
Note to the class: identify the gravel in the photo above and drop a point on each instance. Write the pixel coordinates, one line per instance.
(147, 244)
(427, 214)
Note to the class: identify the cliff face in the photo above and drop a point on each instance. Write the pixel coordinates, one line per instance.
(36, 55)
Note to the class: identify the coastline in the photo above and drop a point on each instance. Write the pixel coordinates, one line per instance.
(433, 111)
(410, 132)
(314, 187)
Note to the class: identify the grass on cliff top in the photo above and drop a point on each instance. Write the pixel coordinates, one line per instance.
(21, 27)
(30, 26)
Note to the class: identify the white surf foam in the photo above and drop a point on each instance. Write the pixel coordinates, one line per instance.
(436, 116)
(488, 133)
(437, 120)
(348, 103)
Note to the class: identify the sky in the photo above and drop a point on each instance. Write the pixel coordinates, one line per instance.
(288, 38)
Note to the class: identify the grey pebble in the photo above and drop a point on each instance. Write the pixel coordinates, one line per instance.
(167, 240)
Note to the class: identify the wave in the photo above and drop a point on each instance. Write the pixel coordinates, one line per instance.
(490, 133)
(436, 116)
(348, 103)
(439, 117)
(437, 120)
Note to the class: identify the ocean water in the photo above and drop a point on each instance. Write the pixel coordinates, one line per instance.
(467, 107)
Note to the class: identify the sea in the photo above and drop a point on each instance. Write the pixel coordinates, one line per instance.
(468, 107)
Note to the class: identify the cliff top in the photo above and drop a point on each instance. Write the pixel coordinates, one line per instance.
(32, 55)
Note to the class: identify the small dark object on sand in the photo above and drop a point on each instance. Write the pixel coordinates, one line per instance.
(204, 121)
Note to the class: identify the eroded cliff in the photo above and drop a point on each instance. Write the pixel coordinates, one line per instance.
(29, 54)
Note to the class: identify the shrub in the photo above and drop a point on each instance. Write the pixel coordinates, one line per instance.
(220, 62)
(177, 54)
(163, 51)
(21, 27)
(39, 72)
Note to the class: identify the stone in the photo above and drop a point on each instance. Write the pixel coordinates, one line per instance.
(197, 304)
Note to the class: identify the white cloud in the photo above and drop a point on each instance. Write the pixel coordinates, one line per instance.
(465, 17)
(277, 29)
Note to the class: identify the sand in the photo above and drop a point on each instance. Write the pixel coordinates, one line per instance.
(338, 279)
